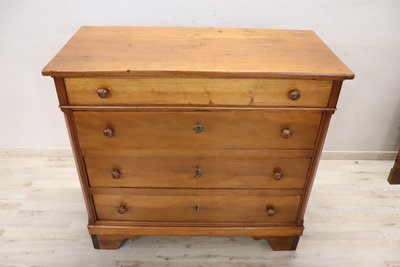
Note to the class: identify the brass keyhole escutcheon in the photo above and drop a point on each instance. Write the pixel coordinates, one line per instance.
(195, 208)
(197, 172)
(198, 128)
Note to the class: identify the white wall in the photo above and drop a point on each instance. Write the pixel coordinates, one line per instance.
(365, 34)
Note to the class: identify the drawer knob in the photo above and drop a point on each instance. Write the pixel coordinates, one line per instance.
(270, 211)
(103, 92)
(197, 172)
(278, 175)
(195, 208)
(198, 128)
(286, 133)
(122, 209)
(294, 95)
(108, 132)
(116, 174)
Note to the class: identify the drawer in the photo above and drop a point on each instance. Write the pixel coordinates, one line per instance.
(234, 129)
(198, 91)
(199, 205)
(192, 169)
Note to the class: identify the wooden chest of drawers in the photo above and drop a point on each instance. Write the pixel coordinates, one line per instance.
(185, 131)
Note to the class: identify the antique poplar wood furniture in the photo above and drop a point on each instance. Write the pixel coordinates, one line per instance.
(200, 132)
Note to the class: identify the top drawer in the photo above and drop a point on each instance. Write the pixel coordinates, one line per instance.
(198, 91)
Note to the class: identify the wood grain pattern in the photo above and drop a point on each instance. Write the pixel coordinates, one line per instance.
(197, 205)
(323, 130)
(194, 192)
(215, 153)
(43, 221)
(174, 130)
(61, 91)
(198, 91)
(335, 92)
(182, 108)
(223, 170)
(276, 230)
(188, 131)
(70, 122)
(214, 52)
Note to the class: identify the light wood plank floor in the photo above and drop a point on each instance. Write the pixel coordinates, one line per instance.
(353, 219)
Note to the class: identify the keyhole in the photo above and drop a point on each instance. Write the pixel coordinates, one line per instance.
(195, 208)
(197, 173)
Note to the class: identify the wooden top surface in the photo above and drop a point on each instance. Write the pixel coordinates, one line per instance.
(213, 52)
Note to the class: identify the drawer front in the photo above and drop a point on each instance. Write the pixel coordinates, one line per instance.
(260, 129)
(197, 91)
(197, 206)
(224, 170)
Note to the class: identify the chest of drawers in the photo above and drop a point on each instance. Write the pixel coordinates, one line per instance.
(201, 132)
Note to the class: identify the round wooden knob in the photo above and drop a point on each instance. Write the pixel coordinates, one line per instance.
(294, 95)
(108, 132)
(116, 174)
(103, 92)
(195, 208)
(286, 133)
(270, 211)
(278, 175)
(122, 209)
